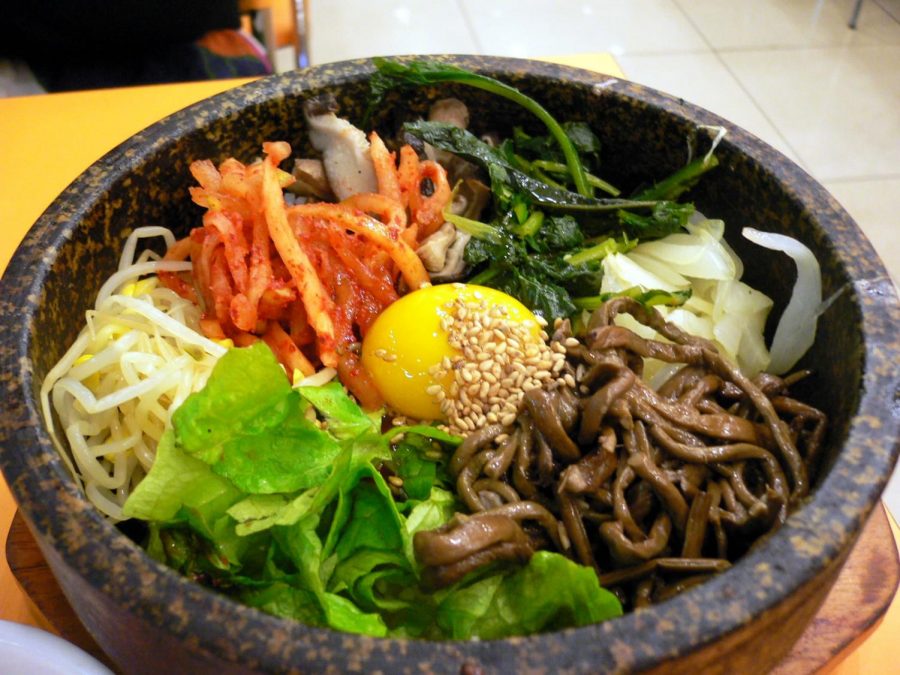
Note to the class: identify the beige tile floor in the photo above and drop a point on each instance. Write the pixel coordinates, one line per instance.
(790, 71)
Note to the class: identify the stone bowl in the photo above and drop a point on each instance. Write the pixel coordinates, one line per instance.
(149, 619)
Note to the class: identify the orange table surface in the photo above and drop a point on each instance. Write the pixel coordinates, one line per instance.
(46, 141)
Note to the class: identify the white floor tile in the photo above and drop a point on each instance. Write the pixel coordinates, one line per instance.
(892, 7)
(539, 27)
(731, 24)
(875, 206)
(351, 29)
(702, 79)
(891, 495)
(837, 108)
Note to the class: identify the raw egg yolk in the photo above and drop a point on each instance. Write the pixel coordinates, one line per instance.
(406, 342)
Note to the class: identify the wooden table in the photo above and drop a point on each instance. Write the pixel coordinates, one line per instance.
(48, 140)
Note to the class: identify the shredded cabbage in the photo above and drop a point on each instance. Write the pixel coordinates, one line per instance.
(721, 307)
(796, 329)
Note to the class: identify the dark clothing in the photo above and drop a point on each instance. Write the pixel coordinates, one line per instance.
(87, 44)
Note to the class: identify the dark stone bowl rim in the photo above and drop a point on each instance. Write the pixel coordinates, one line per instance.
(826, 526)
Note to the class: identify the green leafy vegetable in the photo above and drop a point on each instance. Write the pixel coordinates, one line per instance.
(290, 455)
(344, 417)
(531, 246)
(392, 73)
(681, 181)
(542, 270)
(243, 397)
(176, 481)
(300, 521)
(506, 179)
(666, 218)
(601, 249)
(498, 607)
(540, 281)
(559, 233)
(548, 161)
(650, 298)
(535, 257)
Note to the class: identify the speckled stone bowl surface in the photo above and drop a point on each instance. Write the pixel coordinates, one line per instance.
(150, 619)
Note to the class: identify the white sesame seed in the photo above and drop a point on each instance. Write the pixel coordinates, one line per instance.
(485, 365)
(499, 360)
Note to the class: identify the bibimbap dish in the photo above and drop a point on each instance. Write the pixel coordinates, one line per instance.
(417, 375)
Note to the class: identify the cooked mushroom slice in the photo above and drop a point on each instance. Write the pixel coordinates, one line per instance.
(469, 198)
(467, 543)
(344, 148)
(450, 111)
(433, 249)
(311, 180)
(442, 253)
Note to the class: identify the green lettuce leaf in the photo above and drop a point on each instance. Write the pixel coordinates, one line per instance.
(291, 454)
(294, 517)
(178, 480)
(549, 593)
(344, 418)
(373, 523)
(246, 392)
(283, 599)
(345, 616)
